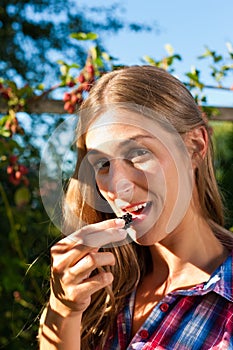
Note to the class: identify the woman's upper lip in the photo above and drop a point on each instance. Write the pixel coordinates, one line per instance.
(134, 206)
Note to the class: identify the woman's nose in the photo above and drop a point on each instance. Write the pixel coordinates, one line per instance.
(123, 189)
(119, 185)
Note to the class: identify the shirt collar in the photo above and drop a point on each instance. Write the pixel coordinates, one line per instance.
(221, 280)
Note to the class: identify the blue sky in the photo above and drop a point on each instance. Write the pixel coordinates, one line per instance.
(187, 25)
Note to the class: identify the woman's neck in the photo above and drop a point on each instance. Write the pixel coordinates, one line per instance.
(184, 259)
(187, 256)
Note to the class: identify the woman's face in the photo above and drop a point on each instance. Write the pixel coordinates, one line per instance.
(140, 169)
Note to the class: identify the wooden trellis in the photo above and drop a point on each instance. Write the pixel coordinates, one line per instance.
(40, 106)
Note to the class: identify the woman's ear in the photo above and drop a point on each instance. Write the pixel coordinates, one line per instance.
(197, 141)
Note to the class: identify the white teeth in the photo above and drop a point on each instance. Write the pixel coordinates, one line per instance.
(137, 207)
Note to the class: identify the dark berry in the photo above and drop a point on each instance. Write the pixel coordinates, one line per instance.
(128, 220)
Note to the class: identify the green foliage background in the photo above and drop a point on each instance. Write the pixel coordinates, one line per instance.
(223, 145)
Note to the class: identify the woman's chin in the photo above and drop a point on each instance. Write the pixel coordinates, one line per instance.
(147, 233)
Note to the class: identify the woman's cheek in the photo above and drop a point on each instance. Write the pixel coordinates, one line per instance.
(156, 180)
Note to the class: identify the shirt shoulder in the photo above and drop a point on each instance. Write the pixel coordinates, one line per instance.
(222, 279)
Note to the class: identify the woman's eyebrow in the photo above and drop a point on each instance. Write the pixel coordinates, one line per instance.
(125, 143)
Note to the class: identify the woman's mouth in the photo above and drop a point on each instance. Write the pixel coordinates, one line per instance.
(138, 211)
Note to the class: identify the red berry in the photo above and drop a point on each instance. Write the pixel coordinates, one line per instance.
(71, 109)
(17, 295)
(25, 181)
(86, 86)
(14, 128)
(7, 124)
(15, 121)
(13, 180)
(23, 169)
(90, 69)
(74, 98)
(5, 95)
(9, 169)
(81, 78)
(70, 84)
(66, 96)
(67, 105)
(80, 88)
(18, 174)
(13, 159)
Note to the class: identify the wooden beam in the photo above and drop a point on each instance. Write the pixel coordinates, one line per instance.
(225, 113)
(39, 106)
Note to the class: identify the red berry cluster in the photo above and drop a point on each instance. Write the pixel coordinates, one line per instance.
(85, 81)
(12, 125)
(17, 172)
(5, 92)
(17, 295)
(8, 94)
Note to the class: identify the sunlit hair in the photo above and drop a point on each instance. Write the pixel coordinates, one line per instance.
(159, 91)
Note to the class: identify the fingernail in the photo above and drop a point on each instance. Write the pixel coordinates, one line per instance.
(120, 222)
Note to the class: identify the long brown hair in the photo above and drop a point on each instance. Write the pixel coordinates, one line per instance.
(159, 91)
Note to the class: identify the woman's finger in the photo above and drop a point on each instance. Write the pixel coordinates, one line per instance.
(71, 249)
(84, 267)
(92, 284)
(94, 235)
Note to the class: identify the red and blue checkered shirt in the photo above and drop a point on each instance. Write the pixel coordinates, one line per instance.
(200, 318)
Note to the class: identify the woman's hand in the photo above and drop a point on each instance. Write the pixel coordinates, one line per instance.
(73, 260)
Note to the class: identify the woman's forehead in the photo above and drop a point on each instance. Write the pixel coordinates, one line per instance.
(118, 117)
(118, 137)
(122, 123)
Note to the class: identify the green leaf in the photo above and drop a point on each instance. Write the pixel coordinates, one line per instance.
(99, 62)
(60, 62)
(5, 133)
(169, 49)
(25, 92)
(64, 69)
(178, 57)
(217, 58)
(106, 56)
(229, 47)
(194, 78)
(227, 67)
(94, 52)
(22, 196)
(207, 53)
(213, 54)
(84, 36)
(40, 87)
(3, 120)
(12, 85)
(150, 60)
(74, 65)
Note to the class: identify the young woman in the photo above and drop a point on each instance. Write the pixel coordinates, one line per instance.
(164, 281)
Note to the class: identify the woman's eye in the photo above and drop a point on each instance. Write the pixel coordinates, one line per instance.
(138, 155)
(101, 164)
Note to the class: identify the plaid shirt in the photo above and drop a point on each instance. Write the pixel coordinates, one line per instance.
(200, 318)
